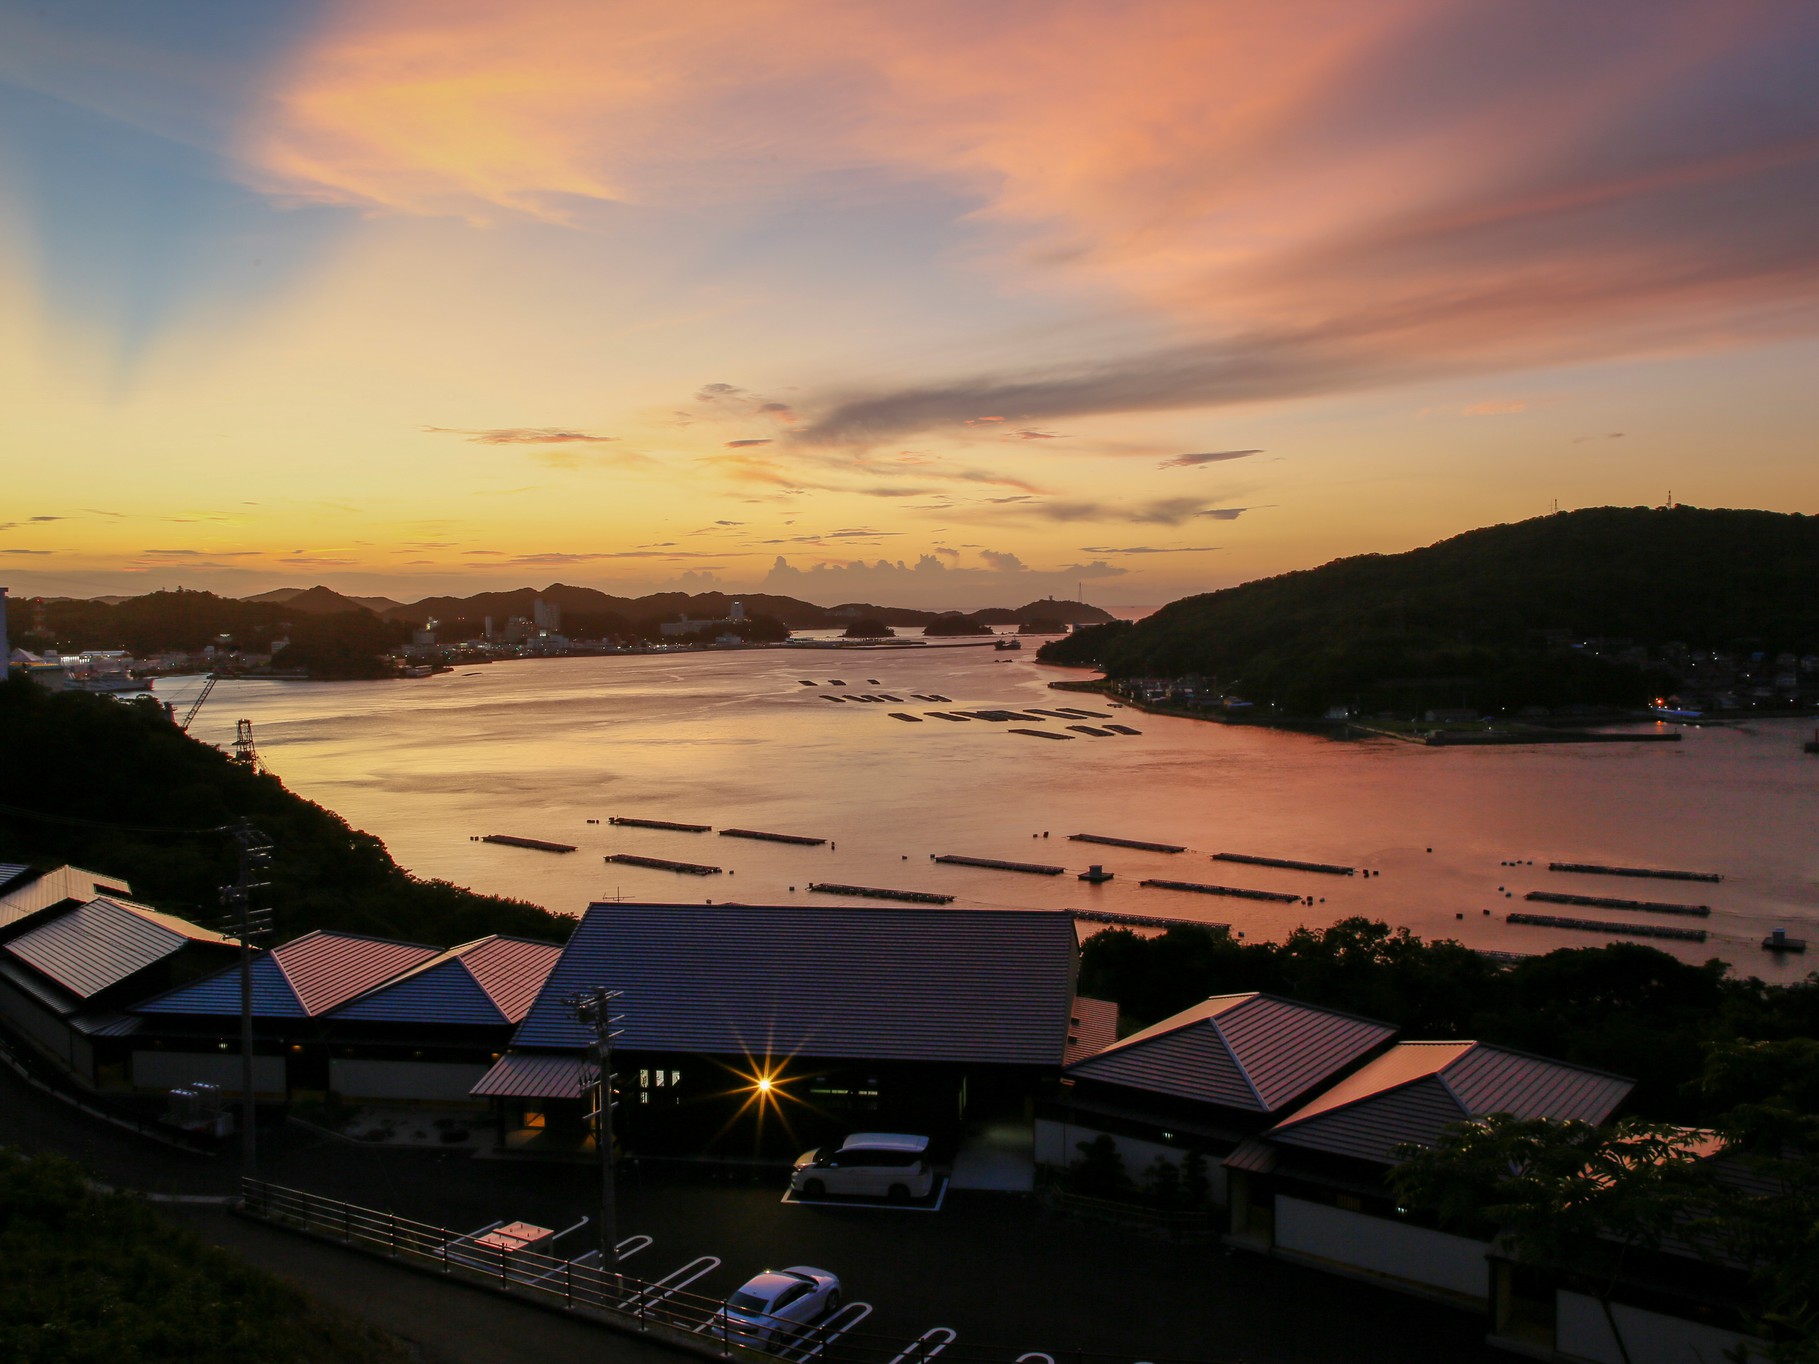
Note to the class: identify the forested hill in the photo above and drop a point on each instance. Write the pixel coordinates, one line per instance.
(1491, 617)
(87, 780)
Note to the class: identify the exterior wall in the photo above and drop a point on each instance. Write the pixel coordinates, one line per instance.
(1058, 1143)
(1455, 1265)
(433, 1081)
(1582, 1333)
(50, 1034)
(168, 1070)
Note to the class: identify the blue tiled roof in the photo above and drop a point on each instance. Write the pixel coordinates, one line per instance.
(972, 985)
(444, 993)
(220, 994)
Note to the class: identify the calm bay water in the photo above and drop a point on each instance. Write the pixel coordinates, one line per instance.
(538, 748)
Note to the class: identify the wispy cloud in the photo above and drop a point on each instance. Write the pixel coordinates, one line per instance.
(1206, 457)
(524, 435)
(1149, 549)
(747, 444)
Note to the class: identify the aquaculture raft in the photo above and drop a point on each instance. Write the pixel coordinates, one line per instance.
(1199, 888)
(803, 839)
(631, 823)
(1038, 733)
(917, 897)
(1605, 902)
(513, 841)
(1111, 842)
(1594, 869)
(1250, 859)
(1032, 868)
(664, 864)
(1606, 926)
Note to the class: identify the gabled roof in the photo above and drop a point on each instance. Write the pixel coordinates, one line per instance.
(50, 888)
(103, 942)
(11, 871)
(302, 979)
(1416, 1089)
(1250, 1051)
(1092, 1027)
(532, 1077)
(966, 985)
(489, 981)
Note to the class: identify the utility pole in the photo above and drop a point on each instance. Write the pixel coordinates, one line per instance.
(594, 1010)
(245, 923)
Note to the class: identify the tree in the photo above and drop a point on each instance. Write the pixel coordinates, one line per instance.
(1099, 1173)
(1566, 1196)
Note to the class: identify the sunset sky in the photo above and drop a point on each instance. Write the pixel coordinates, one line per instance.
(921, 303)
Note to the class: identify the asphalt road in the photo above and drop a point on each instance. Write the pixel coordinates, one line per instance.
(1007, 1276)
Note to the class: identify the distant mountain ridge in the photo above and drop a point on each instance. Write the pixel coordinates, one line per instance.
(1490, 617)
(320, 600)
(589, 603)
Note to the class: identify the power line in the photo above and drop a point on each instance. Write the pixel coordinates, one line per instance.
(108, 824)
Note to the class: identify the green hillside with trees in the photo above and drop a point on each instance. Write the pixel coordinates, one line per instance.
(99, 1278)
(1492, 618)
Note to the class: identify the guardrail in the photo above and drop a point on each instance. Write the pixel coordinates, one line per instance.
(572, 1284)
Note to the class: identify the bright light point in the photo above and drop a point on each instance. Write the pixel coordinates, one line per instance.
(764, 1084)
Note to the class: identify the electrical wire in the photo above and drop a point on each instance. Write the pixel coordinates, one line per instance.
(110, 824)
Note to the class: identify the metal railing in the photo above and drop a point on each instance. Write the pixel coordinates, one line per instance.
(573, 1284)
(662, 1308)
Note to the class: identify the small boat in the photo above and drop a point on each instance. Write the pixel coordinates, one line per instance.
(1005, 645)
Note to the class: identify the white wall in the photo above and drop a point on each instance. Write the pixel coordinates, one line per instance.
(1582, 1332)
(168, 1070)
(1058, 1143)
(1433, 1259)
(441, 1081)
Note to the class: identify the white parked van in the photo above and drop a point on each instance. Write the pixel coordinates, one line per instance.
(867, 1165)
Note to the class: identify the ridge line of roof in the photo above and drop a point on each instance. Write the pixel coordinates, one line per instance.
(1244, 1071)
(1408, 1083)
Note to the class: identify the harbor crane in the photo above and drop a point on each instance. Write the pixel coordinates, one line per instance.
(196, 705)
(244, 751)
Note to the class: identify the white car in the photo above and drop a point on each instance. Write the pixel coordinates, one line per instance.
(890, 1165)
(781, 1303)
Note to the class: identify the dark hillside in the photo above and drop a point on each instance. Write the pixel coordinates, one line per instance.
(88, 780)
(1491, 617)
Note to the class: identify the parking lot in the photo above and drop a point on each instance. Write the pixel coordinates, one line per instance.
(988, 1277)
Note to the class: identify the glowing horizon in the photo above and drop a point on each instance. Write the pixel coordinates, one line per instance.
(922, 305)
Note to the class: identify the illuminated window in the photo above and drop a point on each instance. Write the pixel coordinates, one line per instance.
(659, 1079)
(644, 1079)
(675, 1077)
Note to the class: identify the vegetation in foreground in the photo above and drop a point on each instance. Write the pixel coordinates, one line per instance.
(99, 1278)
(1489, 619)
(91, 781)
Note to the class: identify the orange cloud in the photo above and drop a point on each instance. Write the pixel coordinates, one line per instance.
(1315, 195)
